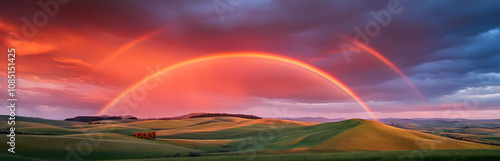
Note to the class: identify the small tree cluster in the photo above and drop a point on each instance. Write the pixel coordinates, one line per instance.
(146, 135)
(226, 115)
(93, 118)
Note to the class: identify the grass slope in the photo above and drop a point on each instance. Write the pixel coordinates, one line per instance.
(263, 136)
(436, 155)
(94, 147)
(370, 135)
(349, 135)
(4, 118)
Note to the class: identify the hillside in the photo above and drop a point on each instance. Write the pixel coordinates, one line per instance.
(357, 134)
(111, 146)
(349, 135)
(371, 135)
(483, 131)
(207, 134)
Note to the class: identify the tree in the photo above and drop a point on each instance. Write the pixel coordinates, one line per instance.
(145, 135)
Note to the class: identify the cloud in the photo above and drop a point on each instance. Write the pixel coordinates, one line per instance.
(93, 98)
(73, 64)
(442, 46)
(45, 108)
(27, 47)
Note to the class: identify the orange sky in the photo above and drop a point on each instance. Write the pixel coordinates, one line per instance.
(80, 61)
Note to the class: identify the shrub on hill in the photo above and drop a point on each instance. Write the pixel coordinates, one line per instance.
(145, 135)
(193, 154)
(93, 118)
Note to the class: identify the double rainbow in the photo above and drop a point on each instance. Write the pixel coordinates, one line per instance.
(266, 56)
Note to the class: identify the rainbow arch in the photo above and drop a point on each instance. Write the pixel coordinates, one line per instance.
(259, 55)
(393, 67)
(131, 44)
(389, 64)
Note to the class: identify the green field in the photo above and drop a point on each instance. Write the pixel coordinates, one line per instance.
(269, 139)
(437, 155)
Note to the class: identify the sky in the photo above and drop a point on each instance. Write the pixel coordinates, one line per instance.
(403, 59)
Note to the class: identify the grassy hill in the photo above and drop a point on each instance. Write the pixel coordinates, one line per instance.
(370, 135)
(243, 136)
(111, 146)
(4, 118)
(349, 135)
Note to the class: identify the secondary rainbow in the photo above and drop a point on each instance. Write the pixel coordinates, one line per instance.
(131, 44)
(390, 64)
(259, 55)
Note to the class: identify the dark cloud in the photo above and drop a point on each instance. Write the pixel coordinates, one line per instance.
(442, 46)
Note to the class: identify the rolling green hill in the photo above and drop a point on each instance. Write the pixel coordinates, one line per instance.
(111, 146)
(349, 135)
(113, 140)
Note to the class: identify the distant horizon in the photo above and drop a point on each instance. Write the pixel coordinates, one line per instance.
(281, 117)
(314, 58)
